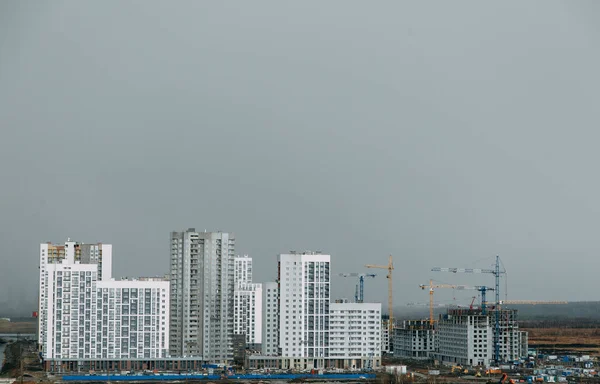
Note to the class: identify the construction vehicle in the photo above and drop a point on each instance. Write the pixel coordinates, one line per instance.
(359, 294)
(503, 379)
(493, 371)
(432, 287)
(456, 369)
(390, 268)
(496, 272)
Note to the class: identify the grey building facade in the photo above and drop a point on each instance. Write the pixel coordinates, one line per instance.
(202, 286)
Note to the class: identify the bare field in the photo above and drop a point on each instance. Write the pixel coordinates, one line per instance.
(18, 327)
(565, 340)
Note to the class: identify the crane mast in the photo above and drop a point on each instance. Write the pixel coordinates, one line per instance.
(359, 292)
(390, 268)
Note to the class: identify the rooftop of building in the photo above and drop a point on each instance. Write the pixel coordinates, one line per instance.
(145, 278)
(423, 324)
(306, 252)
(478, 311)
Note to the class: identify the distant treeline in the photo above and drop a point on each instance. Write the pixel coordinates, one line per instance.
(581, 314)
(560, 322)
(577, 311)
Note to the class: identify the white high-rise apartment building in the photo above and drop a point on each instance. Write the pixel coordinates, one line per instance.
(270, 323)
(247, 317)
(84, 314)
(202, 295)
(243, 269)
(304, 307)
(248, 312)
(355, 335)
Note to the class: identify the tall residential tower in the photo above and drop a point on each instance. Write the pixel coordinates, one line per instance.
(304, 307)
(248, 298)
(202, 291)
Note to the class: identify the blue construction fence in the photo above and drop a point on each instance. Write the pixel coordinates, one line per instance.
(283, 376)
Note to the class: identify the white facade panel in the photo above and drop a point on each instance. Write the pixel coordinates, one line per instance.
(304, 306)
(243, 269)
(81, 317)
(355, 333)
(247, 316)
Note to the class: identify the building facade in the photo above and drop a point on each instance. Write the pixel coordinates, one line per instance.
(465, 337)
(270, 319)
(86, 315)
(523, 344)
(141, 318)
(355, 335)
(416, 339)
(243, 269)
(386, 340)
(248, 298)
(248, 314)
(304, 297)
(510, 341)
(202, 295)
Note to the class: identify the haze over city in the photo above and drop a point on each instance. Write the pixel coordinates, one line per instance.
(442, 135)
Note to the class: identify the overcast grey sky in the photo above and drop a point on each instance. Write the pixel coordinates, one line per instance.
(442, 133)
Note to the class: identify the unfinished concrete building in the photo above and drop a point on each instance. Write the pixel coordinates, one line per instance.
(466, 336)
(416, 339)
(510, 339)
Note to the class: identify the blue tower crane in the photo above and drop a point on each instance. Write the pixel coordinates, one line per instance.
(496, 272)
(359, 294)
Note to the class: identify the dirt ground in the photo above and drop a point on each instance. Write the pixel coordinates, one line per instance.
(565, 340)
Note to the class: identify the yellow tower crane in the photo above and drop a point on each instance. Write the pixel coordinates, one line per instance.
(432, 287)
(390, 268)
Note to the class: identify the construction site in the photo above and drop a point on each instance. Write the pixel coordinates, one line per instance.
(483, 341)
